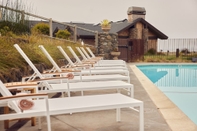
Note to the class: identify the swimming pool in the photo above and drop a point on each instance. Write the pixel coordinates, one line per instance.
(178, 83)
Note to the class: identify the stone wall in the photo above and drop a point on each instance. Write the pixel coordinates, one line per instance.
(16, 74)
(107, 42)
(145, 39)
(133, 33)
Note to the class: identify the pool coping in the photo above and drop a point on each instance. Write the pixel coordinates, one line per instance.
(174, 117)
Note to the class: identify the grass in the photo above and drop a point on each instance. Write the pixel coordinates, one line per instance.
(169, 58)
(10, 58)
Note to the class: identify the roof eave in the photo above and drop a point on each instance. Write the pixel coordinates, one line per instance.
(159, 33)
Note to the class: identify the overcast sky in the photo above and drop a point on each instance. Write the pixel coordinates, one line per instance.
(175, 18)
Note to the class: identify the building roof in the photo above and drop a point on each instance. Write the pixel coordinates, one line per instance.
(116, 27)
(119, 26)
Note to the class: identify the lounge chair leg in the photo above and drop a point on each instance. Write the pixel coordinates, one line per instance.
(141, 118)
(48, 123)
(118, 90)
(128, 80)
(128, 91)
(132, 92)
(39, 123)
(6, 122)
(118, 117)
(62, 94)
(82, 93)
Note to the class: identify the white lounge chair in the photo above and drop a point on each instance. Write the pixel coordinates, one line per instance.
(92, 54)
(76, 78)
(86, 56)
(63, 85)
(68, 87)
(99, 63)
(101, 59)
(71, 64)
(86, 71)
(47, 107)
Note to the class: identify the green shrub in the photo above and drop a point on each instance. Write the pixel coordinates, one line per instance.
(171, 58)
(5, 31)
(185, 51)
(64, 34)
(40, 28)
(16, 28)
(151, 51)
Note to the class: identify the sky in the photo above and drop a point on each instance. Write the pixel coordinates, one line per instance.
(174, 18)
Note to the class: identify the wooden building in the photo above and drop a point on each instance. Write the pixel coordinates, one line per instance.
(135, 35)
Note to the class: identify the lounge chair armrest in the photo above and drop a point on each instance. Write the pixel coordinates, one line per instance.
(95, 58)
(22, 87)
(23, 96)
(70, 70)
(48, 79)
(53, 74)
(88, 62)
(12, 84)
(82, 65)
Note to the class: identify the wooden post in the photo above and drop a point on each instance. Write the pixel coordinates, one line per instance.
(96, 42)
(50, 27)
(6, 122)
(22, 16)
(0, 14)
(33, 119)
(75, 33)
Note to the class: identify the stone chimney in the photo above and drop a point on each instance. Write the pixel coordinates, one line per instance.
(136, 12)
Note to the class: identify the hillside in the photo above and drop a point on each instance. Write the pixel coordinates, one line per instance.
(13, 66)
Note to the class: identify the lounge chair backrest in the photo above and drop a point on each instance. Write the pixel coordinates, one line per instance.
(5, 92)
(84, 51)
(55, 66)
(37, 73)
(81, 53)
(90, 52)
(66, 56)
(74, 54)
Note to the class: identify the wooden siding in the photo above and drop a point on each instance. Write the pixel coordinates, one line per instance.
(139, 27)
(123, 42)
(124, 33)
(131, 49)
(150, 34)
(123, 48)
(152, 44)
(124, 53)
(137, 50)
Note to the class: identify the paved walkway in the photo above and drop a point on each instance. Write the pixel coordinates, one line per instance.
(103, 120)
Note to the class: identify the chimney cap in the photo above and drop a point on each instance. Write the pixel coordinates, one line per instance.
(136, 10)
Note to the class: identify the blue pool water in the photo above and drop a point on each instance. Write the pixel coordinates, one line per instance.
(178, 83)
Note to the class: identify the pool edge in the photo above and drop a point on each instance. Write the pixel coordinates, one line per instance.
(174, 117)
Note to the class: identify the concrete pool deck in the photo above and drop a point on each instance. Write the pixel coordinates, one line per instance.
(174, 117)
(160, 114)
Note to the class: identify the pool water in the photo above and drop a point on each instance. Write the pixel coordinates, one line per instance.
(178, 83)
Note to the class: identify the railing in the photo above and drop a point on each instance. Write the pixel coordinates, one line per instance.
(174, 49)
(172, 44)
(23, 13)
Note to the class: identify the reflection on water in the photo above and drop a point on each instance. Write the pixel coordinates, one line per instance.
(153, 74)
(171, 77)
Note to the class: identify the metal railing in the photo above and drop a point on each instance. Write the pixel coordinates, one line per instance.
(175, 49)
(172, 45)
(23, 13)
